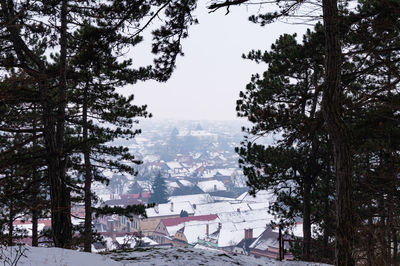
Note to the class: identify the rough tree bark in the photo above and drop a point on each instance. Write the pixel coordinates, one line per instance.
(88, 176)
(332, 103)
(307, 217)
(54, 127)
(35, 191)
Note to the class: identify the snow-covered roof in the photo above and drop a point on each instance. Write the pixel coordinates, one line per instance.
(209, 173)
(240, 206)
(169, 209)
(174, 165)
(218, 198)
(296, 230)
(193, 199)
(216, 207)
(173, 185)
(228, 237)
(226, 171)
(258, 205)
(245, 216)
(265, 240)
(211, 185)
(231, 233)
(186, 183)
(195, 231)
(261, 196)
(194, 227)
(181, 220)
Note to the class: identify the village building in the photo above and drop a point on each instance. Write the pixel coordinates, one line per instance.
(161, 211)
(167, 228)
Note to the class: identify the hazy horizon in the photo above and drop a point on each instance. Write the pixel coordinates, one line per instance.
(208, 78)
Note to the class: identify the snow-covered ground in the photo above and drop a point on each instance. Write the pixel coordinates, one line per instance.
(147, 256)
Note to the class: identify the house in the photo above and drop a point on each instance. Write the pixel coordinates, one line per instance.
(236, 226)
(167, 228)
(267, 244)
(176, 168)
(237, 216)
(121, 240)
(228, 236)
(210, 208)
(192, 231)
(211, 185)
(118, 223)
(243, 247)
(260, 196)
(193, 199)
(158, 212)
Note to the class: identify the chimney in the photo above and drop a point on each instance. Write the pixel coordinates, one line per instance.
(219, 226)
(248, 233)
(156, 208)
(238, 209)
(194, 206)
(172, 207)
(215, 187)
(207, 230)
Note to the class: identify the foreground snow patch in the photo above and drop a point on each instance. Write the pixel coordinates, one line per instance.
(194, 257)
(58, 256)
(142, 256)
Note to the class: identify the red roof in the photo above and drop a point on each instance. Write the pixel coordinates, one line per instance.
(145, 194)
(130, 196)
(179, 220)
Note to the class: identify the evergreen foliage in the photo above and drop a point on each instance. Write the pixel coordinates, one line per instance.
(158, 190)
(69, 70)
(367, 108)
(286, 100)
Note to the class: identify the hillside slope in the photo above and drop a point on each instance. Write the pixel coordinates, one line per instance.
(172, 257)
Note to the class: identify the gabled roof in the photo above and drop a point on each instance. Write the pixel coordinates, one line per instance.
(174, 165)
(261, 196)
(217, 207)
(246, 216)
(211, 185)
(245, 244)
(179, 220)
(267, 239)
(193, 199)
(193, 232)
(169, 209)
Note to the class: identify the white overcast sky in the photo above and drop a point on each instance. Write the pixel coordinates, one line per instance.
(207, 80)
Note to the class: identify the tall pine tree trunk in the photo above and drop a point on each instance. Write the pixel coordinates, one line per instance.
(54, 138)
(88, 177)
(332, 103)
(35, 192)
(35, 236)
(395, 248)
(327, 218)
(307, 217)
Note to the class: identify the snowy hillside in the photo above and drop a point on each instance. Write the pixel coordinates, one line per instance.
(175, 257)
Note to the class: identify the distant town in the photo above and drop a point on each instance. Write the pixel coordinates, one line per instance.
(208, 206)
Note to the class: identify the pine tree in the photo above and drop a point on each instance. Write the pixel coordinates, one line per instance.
(27, 42)
(158, 190)
(286, 99)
